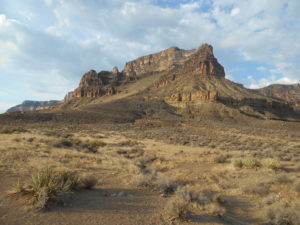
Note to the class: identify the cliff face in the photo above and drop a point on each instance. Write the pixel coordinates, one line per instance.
(202, 61)
(93, 84)
(32, 105)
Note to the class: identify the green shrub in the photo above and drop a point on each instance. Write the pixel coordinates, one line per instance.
(49, 186)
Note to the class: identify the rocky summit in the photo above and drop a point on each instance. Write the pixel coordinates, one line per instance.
(203, 58)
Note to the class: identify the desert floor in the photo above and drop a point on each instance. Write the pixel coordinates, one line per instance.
(151, 172)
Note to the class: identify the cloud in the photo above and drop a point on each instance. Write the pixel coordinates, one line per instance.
(52, 43)
(235, 11)
(266, 81)
(27, 15)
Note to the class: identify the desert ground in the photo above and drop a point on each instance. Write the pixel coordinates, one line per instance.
(151, 172)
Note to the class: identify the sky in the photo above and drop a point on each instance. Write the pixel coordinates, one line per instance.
(47, 45)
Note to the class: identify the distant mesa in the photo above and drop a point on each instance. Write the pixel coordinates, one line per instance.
(185, 80)
(288, 93)
(199, 61)
(32, 106)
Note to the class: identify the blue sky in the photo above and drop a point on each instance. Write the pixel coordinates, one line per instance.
(46, 45)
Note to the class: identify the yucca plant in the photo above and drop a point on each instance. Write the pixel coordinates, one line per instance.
(47, 186)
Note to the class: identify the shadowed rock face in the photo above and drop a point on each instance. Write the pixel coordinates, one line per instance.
(32, 105)
(201, 60)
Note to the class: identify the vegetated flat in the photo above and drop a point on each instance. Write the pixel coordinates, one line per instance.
(155, 172)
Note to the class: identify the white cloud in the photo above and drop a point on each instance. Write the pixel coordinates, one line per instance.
(48, 2)
(262, 68)
(28, 15)
(266, 81)
(235, 11)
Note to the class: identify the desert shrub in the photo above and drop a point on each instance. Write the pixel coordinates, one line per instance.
(11, 130)
(216, 209)
(144, 180)
(67, 143)
(247, 162)
(30, 139)
(178, 209)
(164, 185)
(47, 186)
(129, 143)
(88, 182)
(185, 193)
(68, 135)
(283, 179)
(96, 144)
(251, 163)
(270, 163)
(220, 159)
(297, 186)
(132, 153)
(90, 146)
(255, 188)
(284, 214)
(237, 163)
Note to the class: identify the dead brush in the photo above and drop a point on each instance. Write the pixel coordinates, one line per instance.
(178, 209)
(283, 214)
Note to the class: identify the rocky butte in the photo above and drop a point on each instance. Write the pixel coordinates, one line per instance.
(185, 79)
